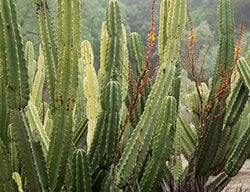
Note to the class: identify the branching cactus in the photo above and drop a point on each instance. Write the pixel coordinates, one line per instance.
(102, 150)
(134, 154)
(66, 143)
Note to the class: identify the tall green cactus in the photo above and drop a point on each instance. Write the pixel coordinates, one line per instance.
(102, 150)
(65, 92)
(49, 45)
(17, 75)
(211, 132)
(161, 147)
(135, 152)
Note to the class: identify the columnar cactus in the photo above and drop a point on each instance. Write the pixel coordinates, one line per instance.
(119, 157)
(91, 90)
(80, 171)
(65, 92)
(134, 154)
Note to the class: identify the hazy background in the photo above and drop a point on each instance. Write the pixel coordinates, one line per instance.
(136, 16)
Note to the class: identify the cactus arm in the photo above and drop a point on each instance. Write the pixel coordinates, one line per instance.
(124, 64)
(218, 183)
(103, 48)
(66, 91)
(102, 150)
(137, 56)
(225, 58)
(30, 154)
(244, 70)
(39, 79)
(5, 170)
(80, 109)
(48, 41)
(3, 112)
(136, 52)
(3, 94)
(240, 152)
(113, 52)
(135, 152)
(161, 147)
(211, 133)
(29, 57)
(81, 172)
(106, 132)
(17, 74)
(91, 90)
(235, 107)
(134, 148)
(177, 83)
(188, 137)
(162, 28)
(236, 104)
(176, 165)
(36, 126)
(23, 71)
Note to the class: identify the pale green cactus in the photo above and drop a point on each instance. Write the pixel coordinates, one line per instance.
(91, 90)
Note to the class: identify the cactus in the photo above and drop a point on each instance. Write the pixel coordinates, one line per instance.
(65, 92)
(211, 132)
(137, 52)
(118, 157)
(161, 149)
(30, 60)
(3, 95)
(38, 82)
(81, 172)
(91, 90)
(17, 74)
(135, 152)
(101, 153)
(163, 27)
(5, 178)
(49, 45)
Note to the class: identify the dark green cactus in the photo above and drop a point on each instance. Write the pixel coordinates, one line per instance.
(161, 147)
(5, 169)
(211, 132)
(81, 172)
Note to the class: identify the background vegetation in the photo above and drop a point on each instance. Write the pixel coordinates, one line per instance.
(136, 13)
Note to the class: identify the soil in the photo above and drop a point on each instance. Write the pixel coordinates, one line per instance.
(241, 182)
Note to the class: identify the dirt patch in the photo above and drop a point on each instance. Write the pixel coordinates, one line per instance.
(241, 180)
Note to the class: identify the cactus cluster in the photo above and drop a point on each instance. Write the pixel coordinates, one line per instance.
(66, 127)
